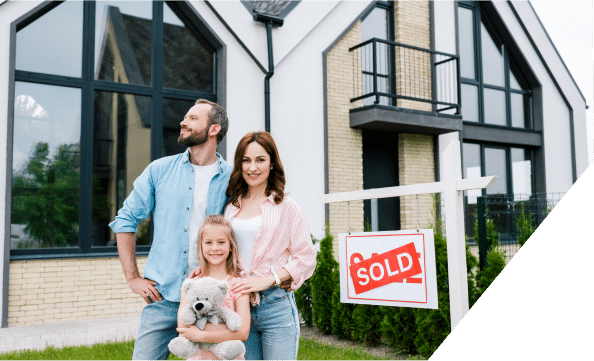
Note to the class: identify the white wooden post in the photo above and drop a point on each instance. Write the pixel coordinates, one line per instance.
(451, 187)
(454, 227)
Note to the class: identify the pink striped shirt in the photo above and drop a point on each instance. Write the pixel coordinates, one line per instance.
(283, 234)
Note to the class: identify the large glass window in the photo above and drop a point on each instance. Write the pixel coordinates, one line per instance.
(85, 127)
(494, 90)
(511, 165)
(377, 24)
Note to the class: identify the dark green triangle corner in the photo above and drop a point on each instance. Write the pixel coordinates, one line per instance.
(541, 307)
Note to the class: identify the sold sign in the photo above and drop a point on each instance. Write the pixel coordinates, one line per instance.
(388, 267)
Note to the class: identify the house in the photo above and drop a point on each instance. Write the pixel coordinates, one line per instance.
(358, 95)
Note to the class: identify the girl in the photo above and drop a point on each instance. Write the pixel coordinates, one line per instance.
(218, 254)
(274, 244)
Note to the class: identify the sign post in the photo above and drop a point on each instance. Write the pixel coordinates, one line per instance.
(452, 187)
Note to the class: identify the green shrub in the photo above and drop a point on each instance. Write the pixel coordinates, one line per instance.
(322, 285)
(492, 234)
(524, 226)
(303, 298)
(399, 328)
(494, 266)
(433, 326)
(342, 313)
(471, 265)
(367, 320)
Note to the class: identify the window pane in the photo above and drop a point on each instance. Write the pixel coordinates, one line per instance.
(121, 151)
(494, 106)
(52, 44)
(46, 166)
(470, 111)
(495, 165)
(188, 60)
(520, 110)
(472, 168)
(493, 72)
(375, 25)
(123, 41)
(466, 33)
(516, 79)
(521, 172)
(173, 113)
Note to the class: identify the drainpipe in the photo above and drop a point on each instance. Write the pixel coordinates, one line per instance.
(268, 21)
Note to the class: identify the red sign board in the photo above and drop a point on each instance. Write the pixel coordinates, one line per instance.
(388, 267)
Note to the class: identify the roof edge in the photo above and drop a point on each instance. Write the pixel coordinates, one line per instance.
(558, 54)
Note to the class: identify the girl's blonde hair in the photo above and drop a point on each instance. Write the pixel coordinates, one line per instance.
(233, 264)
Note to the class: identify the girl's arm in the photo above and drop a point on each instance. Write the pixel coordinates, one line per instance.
(182, 303)
(242, 307)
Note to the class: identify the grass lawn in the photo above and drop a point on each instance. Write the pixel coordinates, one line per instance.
(308, 350)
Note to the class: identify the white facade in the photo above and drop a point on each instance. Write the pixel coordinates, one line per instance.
(297, 89)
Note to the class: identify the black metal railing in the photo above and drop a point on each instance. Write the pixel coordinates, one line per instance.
(390, 73)
(509, 215)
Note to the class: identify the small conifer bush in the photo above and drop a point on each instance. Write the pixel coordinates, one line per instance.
(323, 285)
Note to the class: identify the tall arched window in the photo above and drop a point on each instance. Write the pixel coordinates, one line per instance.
(494, 90)
(100, 89)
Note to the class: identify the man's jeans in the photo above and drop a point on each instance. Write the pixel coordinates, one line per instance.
(274, 328)
(158, 325)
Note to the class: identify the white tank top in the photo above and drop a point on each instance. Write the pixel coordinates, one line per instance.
(245, 232)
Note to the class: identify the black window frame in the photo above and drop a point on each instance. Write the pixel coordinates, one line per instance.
(480, 15)
(88, 86)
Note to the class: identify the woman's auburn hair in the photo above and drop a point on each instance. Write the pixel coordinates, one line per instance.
(232, 263)
(276, 178)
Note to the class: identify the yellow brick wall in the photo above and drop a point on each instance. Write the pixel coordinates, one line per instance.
(60, 290)
(412, 27)
(415, 151)
(415, 165)
(345, 145)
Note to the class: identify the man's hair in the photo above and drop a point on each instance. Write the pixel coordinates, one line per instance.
(217, 115)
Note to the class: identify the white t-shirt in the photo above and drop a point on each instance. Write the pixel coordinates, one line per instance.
(245, 232)
(202, 180)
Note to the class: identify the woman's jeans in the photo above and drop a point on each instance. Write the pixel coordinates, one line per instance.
(274, 328)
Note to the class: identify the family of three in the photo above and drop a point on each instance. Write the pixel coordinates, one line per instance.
(232, 223)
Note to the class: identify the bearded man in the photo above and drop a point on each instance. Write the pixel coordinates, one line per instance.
(180, 191)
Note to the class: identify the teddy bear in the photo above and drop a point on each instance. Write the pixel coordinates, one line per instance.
(205, 296)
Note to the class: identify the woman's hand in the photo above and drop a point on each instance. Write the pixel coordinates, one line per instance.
(195, 272)
(192, 333)
(252, 284)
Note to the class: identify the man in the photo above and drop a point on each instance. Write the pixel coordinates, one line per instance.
(179, 190)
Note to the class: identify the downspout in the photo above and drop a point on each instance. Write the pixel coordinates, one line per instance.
(268, 21)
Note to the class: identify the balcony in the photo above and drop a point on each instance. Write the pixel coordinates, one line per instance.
(403, 88)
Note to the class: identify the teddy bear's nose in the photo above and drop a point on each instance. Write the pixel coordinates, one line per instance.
(198, 306)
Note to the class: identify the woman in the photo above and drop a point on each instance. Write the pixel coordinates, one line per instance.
(274, 244)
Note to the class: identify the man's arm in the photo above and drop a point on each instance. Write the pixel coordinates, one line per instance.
(127, 250)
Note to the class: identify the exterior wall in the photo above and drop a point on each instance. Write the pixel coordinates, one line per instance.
(345, 145)
(411, 27)
(60, 290)
(415, 151)
(415, 165)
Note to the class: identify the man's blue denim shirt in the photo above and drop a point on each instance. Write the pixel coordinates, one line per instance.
(165, 188)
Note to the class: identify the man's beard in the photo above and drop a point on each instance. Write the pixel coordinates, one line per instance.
(195, 138)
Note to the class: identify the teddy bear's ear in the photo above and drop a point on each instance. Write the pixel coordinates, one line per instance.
(186, 285)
